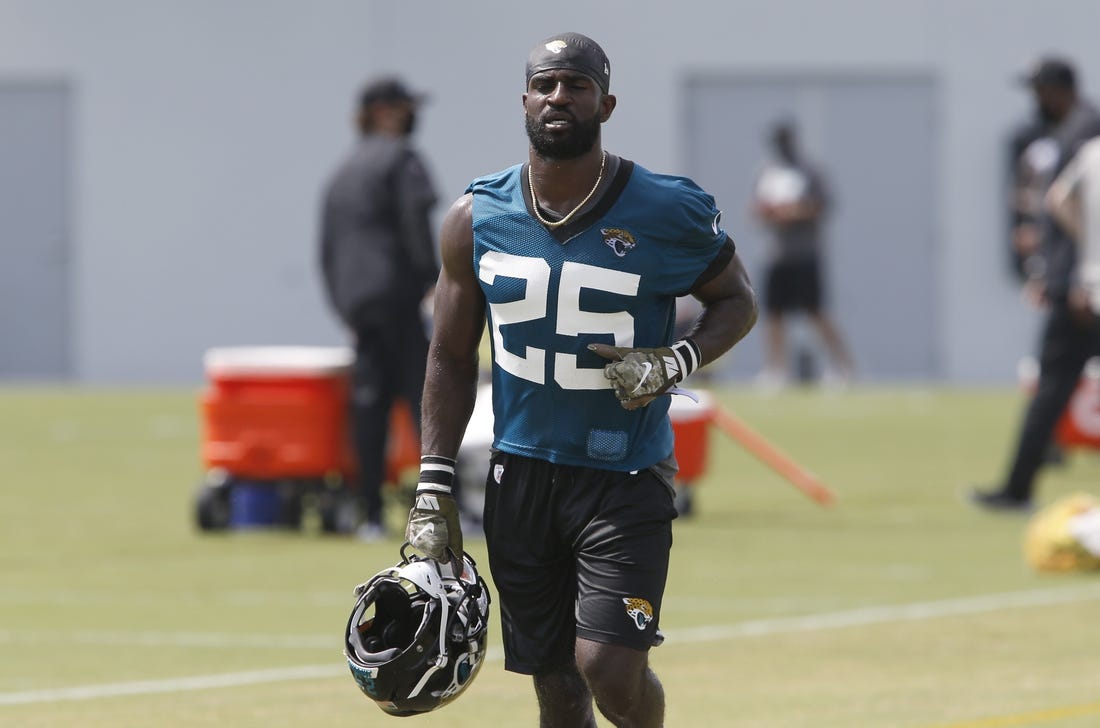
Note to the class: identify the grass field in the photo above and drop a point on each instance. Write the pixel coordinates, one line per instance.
(898, 607)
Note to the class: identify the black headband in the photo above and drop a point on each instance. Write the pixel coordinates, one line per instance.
(573, 51)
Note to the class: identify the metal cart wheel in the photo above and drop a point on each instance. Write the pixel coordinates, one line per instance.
(212, 506)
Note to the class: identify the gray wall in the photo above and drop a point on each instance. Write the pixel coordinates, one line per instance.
(203, 131)
(873, 135)
(35, 286)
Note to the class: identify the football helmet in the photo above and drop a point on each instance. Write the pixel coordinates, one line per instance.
(416, 637)
(1065, 535)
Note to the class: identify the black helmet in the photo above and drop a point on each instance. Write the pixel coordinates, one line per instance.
(416, 637)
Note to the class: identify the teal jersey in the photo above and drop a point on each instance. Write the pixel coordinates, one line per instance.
(611, 276)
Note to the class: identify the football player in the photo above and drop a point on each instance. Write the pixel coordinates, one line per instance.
(575, 257)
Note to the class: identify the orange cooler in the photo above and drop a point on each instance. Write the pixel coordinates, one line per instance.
(270, 413)
(690, 423)
(1080, 425)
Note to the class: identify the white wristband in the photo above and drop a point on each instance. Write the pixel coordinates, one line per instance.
(437, 474)
(687, 357)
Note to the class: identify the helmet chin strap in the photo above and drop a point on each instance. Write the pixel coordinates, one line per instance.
(447, 614)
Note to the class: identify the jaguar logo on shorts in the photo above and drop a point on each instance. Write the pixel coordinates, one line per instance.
(639, 610)
(619, 240)
(498, 472)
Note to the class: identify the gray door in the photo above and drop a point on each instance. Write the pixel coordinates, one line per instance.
(34, 230)
(873, 138)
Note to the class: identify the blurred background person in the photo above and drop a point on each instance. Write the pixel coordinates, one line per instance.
(1071, 331)
(791, 200)
(1031, 154)
(1074, 203)
(1040, 147)
(1024, 199)
(379, 262)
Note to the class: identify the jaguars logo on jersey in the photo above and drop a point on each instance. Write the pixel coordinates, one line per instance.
(639, 610)
(619, 240)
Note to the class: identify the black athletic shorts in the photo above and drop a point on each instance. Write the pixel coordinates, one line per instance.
(575, 552)
(793, 286)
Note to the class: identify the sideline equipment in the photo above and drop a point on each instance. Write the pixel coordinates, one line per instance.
(1065, 535)
(772, 456)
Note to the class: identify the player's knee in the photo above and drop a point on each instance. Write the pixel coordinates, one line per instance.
(614, 674)
(626, 692)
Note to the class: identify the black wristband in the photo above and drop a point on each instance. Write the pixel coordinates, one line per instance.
(687, 356)
(437, 474)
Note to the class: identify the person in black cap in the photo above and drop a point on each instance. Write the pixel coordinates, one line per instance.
(575, 257)
(379, 262)
(1071, 331)
(1034, 152)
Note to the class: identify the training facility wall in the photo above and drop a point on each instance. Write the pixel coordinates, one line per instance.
(201, 134)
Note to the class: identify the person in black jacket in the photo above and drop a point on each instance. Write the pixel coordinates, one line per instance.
(1071, 333)
(379, 262)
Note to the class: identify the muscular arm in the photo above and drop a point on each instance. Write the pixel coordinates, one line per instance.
(729, 311)
(450, 384)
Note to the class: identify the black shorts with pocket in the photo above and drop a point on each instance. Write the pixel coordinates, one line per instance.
(575, 552)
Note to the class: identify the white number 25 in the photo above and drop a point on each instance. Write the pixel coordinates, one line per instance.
(570, 319)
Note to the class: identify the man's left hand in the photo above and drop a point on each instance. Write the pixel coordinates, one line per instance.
(639, 376)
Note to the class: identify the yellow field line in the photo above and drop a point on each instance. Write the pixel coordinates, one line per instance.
(1038, 716)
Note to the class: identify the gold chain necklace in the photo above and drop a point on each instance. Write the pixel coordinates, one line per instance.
(582, 203)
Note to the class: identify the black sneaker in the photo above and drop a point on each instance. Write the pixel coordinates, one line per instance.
(996, 500)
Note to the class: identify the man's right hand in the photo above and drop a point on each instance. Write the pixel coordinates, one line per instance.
(433, 528)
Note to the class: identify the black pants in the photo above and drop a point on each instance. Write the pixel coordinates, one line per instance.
(389, 364)
(1066, 346)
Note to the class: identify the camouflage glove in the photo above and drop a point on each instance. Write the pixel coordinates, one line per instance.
(639, 376)
(433, 527)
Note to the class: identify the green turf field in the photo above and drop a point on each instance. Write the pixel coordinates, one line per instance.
(898, 607)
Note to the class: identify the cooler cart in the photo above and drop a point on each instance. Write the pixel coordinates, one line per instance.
(690, 425)
(275, 436)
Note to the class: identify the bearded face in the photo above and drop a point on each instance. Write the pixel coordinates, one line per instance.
(562, 138)
(563, 110)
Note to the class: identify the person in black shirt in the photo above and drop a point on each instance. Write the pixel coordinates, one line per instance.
(1071, 333)
(379, 263)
